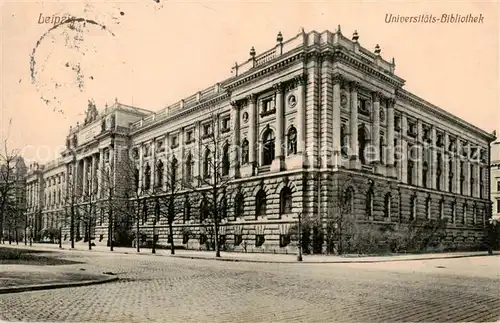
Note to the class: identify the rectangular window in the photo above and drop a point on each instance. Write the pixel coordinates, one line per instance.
(498, 206)
(189, 136)
(225, 124)
(498, 186)
(259, 240)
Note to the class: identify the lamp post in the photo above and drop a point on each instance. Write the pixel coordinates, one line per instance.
(299, 256)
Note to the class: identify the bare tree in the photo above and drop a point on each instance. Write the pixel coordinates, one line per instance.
(215, 177)
(9, 194)
(169, 194)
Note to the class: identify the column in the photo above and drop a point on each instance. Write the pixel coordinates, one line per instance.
(354, 121)
(420, 150)
(153, 164)
(458, 158)
(478, 171)
(301, 118)
(390, 137)
(199, 155)
(279, 144)
(434, 162)
(100, 174)
(468, 173)
(85, 177)
(252, 129)
(337, 122)
(404, 150)
(446, 162)
(235, 151)
(376, 127)
(94, 176)
(182, 158)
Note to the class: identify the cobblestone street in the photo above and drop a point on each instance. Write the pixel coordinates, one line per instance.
(166, 289)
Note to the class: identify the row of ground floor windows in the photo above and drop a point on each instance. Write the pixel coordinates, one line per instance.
(413, 207)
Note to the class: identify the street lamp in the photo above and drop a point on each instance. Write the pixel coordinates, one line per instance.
(299, 256)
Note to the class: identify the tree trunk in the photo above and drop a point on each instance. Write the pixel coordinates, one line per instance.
(153, 249)
(137, 236)
(217, 246)
(171, 236)
(88, 234)
(72, 224)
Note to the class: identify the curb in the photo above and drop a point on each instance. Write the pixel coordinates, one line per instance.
(326, 262)
(27, 288)
(277, 261)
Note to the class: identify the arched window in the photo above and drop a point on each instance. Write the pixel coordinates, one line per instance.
(239, 203)
(453, 212)
(348, 201)
(292, 141)
(189, 168)
(425, 172)
(260, 204)
(439, 170)
(144, 211)
(187, 211)
(223, 205)
(203, 210)
(450, 176)
(225, 160)
(410, 172)
(428, 207)
(381, 145)
(285, 201)
(244, 152)
(387, 205)
(147, 177)
(207, 162)
(362, 142)
(159, 174)
(462, 177)
(343, 141)
(268, 147)
(369, 203)
(413, 208)
(173, 172)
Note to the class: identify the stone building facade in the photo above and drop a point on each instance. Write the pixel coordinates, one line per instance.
(313, 119)
(495, 180)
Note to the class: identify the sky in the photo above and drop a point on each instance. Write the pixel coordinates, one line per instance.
(152, 54)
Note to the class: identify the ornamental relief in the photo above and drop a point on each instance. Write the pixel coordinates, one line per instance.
(291, 101)
(382, 115)
(244, 117)
(344, 100)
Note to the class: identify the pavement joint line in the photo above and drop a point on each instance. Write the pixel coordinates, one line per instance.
(28, 288)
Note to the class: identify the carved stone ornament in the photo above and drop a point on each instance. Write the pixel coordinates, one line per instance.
(292, 101)
(382, 115)
(343, 100)
(245, 117)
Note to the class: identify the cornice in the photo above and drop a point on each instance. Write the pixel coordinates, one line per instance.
(198, 106)
(414, 100)
(271, 66)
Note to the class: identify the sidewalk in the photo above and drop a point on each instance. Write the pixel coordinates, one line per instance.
(254, 257)
(21, 278)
